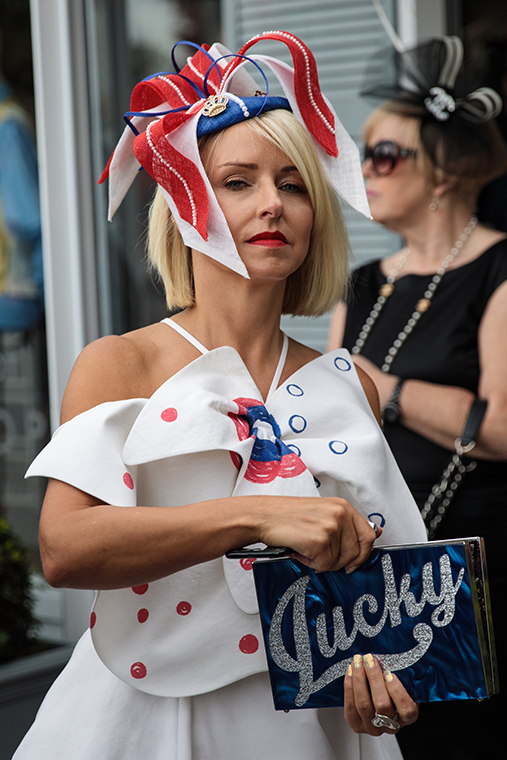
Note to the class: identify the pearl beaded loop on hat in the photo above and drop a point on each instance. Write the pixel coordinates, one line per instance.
(422, 305)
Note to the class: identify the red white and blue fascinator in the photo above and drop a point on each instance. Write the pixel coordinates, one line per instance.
(169, 112)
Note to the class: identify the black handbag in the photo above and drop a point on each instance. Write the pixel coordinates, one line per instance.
(442, 494)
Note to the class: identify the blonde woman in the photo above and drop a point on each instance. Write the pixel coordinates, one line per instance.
(209, 431)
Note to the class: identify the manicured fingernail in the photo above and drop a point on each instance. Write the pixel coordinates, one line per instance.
(388, 676)
(358, 660)
(352, 569)
(349, 671)
(369, 661)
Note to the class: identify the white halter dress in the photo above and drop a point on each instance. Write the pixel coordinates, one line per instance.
(175, 669)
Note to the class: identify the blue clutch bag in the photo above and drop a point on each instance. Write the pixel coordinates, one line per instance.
(422, 610)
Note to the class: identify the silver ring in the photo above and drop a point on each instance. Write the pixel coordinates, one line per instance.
(374, 526)
(384, 721)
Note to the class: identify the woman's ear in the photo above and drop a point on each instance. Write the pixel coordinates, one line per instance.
(442, 188)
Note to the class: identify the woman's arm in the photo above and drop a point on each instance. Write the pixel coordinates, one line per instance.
(371, 392)
(88, 544)
(439, 412)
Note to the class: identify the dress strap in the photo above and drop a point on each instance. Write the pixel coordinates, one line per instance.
(280, 366)
(199, 346)
(185, 334)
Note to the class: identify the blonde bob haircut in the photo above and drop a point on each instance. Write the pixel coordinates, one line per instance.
(320, 282)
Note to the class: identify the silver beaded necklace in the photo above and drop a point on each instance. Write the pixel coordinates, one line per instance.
(422, 305)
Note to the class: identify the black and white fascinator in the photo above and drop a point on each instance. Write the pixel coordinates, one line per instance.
(430, 81)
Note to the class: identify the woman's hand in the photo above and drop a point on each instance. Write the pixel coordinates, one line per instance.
(325, 533)
(369, 692)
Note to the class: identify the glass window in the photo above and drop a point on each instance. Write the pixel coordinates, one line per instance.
(23, 389)
(127, 41)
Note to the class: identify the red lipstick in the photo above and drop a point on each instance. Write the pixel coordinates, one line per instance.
(269, 239)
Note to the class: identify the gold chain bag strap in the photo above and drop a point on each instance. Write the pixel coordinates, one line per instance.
(442, 494)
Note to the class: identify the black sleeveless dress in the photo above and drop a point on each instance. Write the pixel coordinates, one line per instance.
(443, 349)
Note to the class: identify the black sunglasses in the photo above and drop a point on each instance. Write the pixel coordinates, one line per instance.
(385, 156)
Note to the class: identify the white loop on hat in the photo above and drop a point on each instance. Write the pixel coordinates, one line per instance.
(483, 104)
(452, 63)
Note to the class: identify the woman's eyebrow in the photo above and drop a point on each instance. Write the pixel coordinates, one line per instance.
(237, 163)
(290, 168)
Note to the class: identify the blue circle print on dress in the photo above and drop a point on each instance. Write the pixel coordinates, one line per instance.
(338, 447)
(295, 390)
(297, 423)
(378, 518)
(294, 448)
(342, 364)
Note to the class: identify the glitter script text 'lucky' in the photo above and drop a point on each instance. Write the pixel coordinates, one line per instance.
(442, 615)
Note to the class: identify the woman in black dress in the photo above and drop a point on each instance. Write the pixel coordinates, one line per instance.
(428, 324)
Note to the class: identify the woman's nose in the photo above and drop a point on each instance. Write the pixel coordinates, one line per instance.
(270, 202)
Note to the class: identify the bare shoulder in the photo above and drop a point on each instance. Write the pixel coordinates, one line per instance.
(370, 390)
(487, 237)
(106, 370)
(298, 356)
(117, 367)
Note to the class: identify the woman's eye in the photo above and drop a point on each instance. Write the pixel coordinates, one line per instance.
(235, 184)
(292, 187)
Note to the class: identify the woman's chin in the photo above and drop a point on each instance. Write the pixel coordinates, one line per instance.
(273, 266)
(385, 219)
